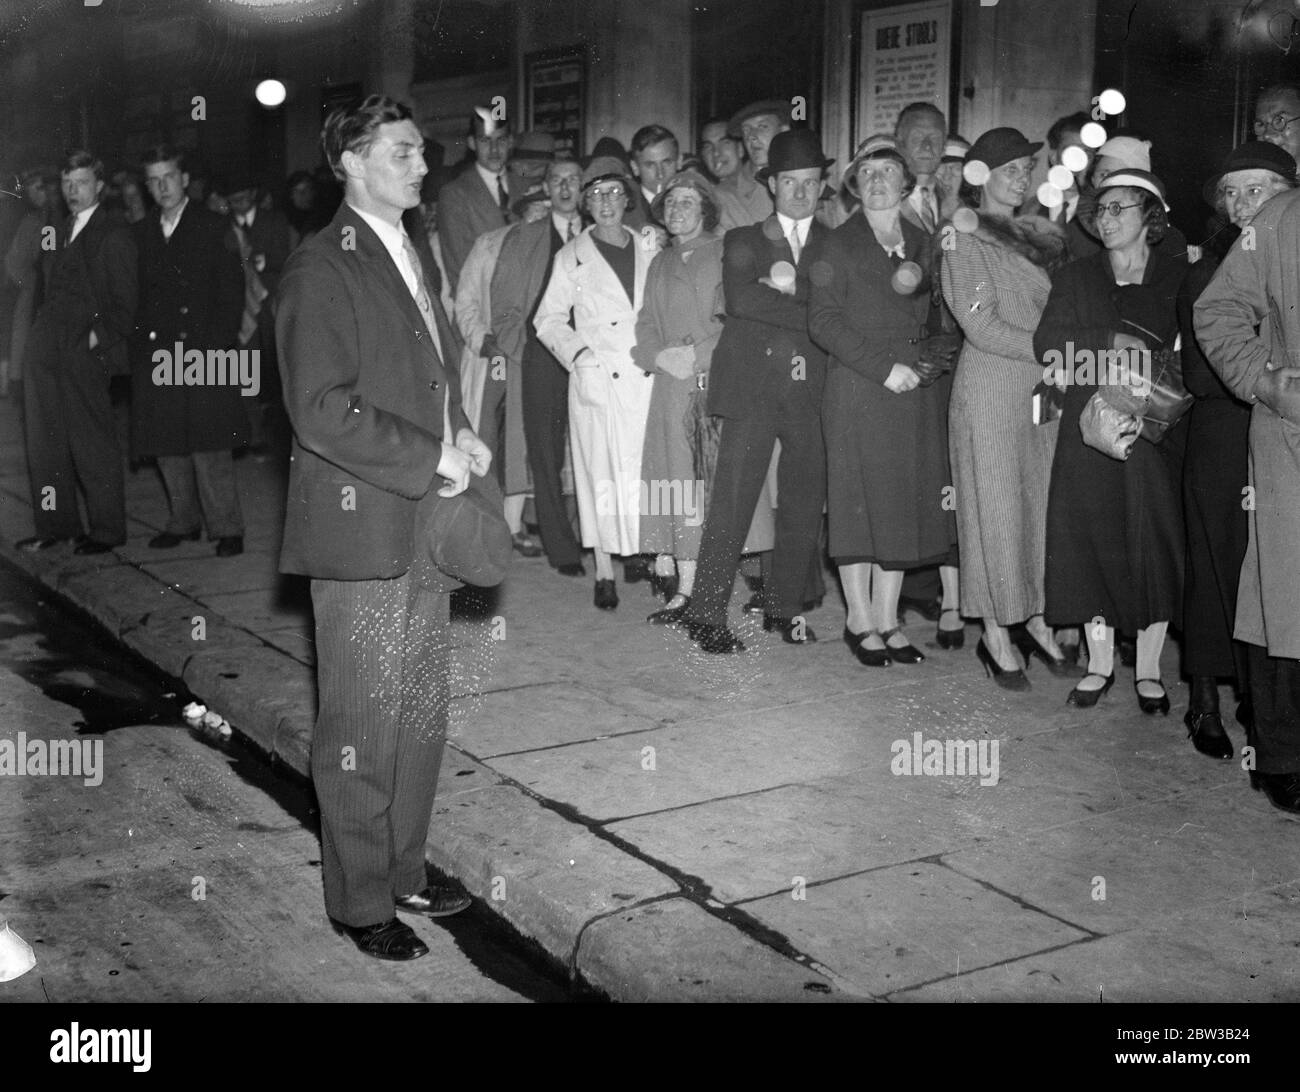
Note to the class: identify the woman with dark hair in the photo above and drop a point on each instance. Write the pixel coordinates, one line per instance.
(996, 278)
(1217, 462)
(884, 409)
(676, 331)
(1115, 545)
(301, 208)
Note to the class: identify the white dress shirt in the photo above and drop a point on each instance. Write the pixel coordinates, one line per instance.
(800, 226)
(490, 180)
(391, 236)
(168, 226)
(80, 221)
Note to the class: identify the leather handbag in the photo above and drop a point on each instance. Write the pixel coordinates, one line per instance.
(464, 537)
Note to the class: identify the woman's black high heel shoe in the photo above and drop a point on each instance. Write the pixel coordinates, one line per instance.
(950, 638)
(904, 654)
(1086, 699)
(1152, 706)
(1008, 680)
(1030, 648)
(669, 615)
(867, 657)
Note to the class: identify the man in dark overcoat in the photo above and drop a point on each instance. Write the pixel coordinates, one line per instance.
(190, 416)
(77, 343)
(766, 384)
(368, 364)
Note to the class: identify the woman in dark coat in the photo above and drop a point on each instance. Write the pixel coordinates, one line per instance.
(1115, 546)
(1217, 461)
(885, 407)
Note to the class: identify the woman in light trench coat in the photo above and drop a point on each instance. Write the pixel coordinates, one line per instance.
(599, 278)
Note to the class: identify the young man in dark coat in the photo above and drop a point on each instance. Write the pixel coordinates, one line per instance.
(766, 383)
(368, 362)
(185, 411)
(77, 343)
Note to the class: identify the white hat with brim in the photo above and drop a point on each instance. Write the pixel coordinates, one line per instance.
(1138, 180)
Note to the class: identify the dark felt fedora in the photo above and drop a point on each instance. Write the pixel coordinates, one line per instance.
(466, 536)
(793, 150)
(1253, 155)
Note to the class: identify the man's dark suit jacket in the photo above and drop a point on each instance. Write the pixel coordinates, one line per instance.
(89, 286)
(364, 389)
(269, 236)
(466, 210)
(191, 291)
(754, 369)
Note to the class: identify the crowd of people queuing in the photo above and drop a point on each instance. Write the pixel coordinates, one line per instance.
(715, 354)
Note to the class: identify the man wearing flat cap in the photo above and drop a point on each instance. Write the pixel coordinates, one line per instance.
(742, 199)
(766, 384)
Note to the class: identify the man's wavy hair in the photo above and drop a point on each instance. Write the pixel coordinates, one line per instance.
(355, 128)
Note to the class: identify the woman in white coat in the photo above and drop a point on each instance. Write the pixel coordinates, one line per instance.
(599, 279)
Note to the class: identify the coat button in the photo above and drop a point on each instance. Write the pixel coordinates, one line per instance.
(433, 386)
(616, 375)
(153, 335)
(182, 336)
(769, 352)
(185, 310)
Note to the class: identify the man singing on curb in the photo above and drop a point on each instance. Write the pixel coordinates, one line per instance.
(367, 359)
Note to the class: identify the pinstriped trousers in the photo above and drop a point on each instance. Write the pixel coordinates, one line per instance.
(382, 669)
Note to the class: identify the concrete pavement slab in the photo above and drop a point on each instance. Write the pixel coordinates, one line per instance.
(908, 924)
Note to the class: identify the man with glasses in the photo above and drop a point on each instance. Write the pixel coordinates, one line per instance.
(1277, 117)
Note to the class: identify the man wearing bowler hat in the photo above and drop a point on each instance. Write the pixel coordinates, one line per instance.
(766, 384)
(368, 361)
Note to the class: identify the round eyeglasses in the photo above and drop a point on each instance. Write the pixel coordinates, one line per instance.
(1276, 124)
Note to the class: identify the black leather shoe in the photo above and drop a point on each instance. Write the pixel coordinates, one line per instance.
(1205, 729)
(664, 587)
(571, 568)
(718, 640)
(1005, 678)
(606, 595)
(670, 615)
(36, 544)
(524, 545)
(391, 939)
(230, 546)
(1152, 706)
(867, 657)
(950, 638)
(794, 631)
(636, 569)
(906, 653)
(91, 546)
(168, 541)
(1282, 790)
(1031, 650)
(929, 609)
(754, 604)
(435, 901)
(1086, 699)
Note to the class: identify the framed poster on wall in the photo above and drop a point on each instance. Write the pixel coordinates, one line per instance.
(555, 96)
(905, 54)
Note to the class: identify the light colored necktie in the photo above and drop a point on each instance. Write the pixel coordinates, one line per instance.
(795, 248)
(421, 293)
(929, 210)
